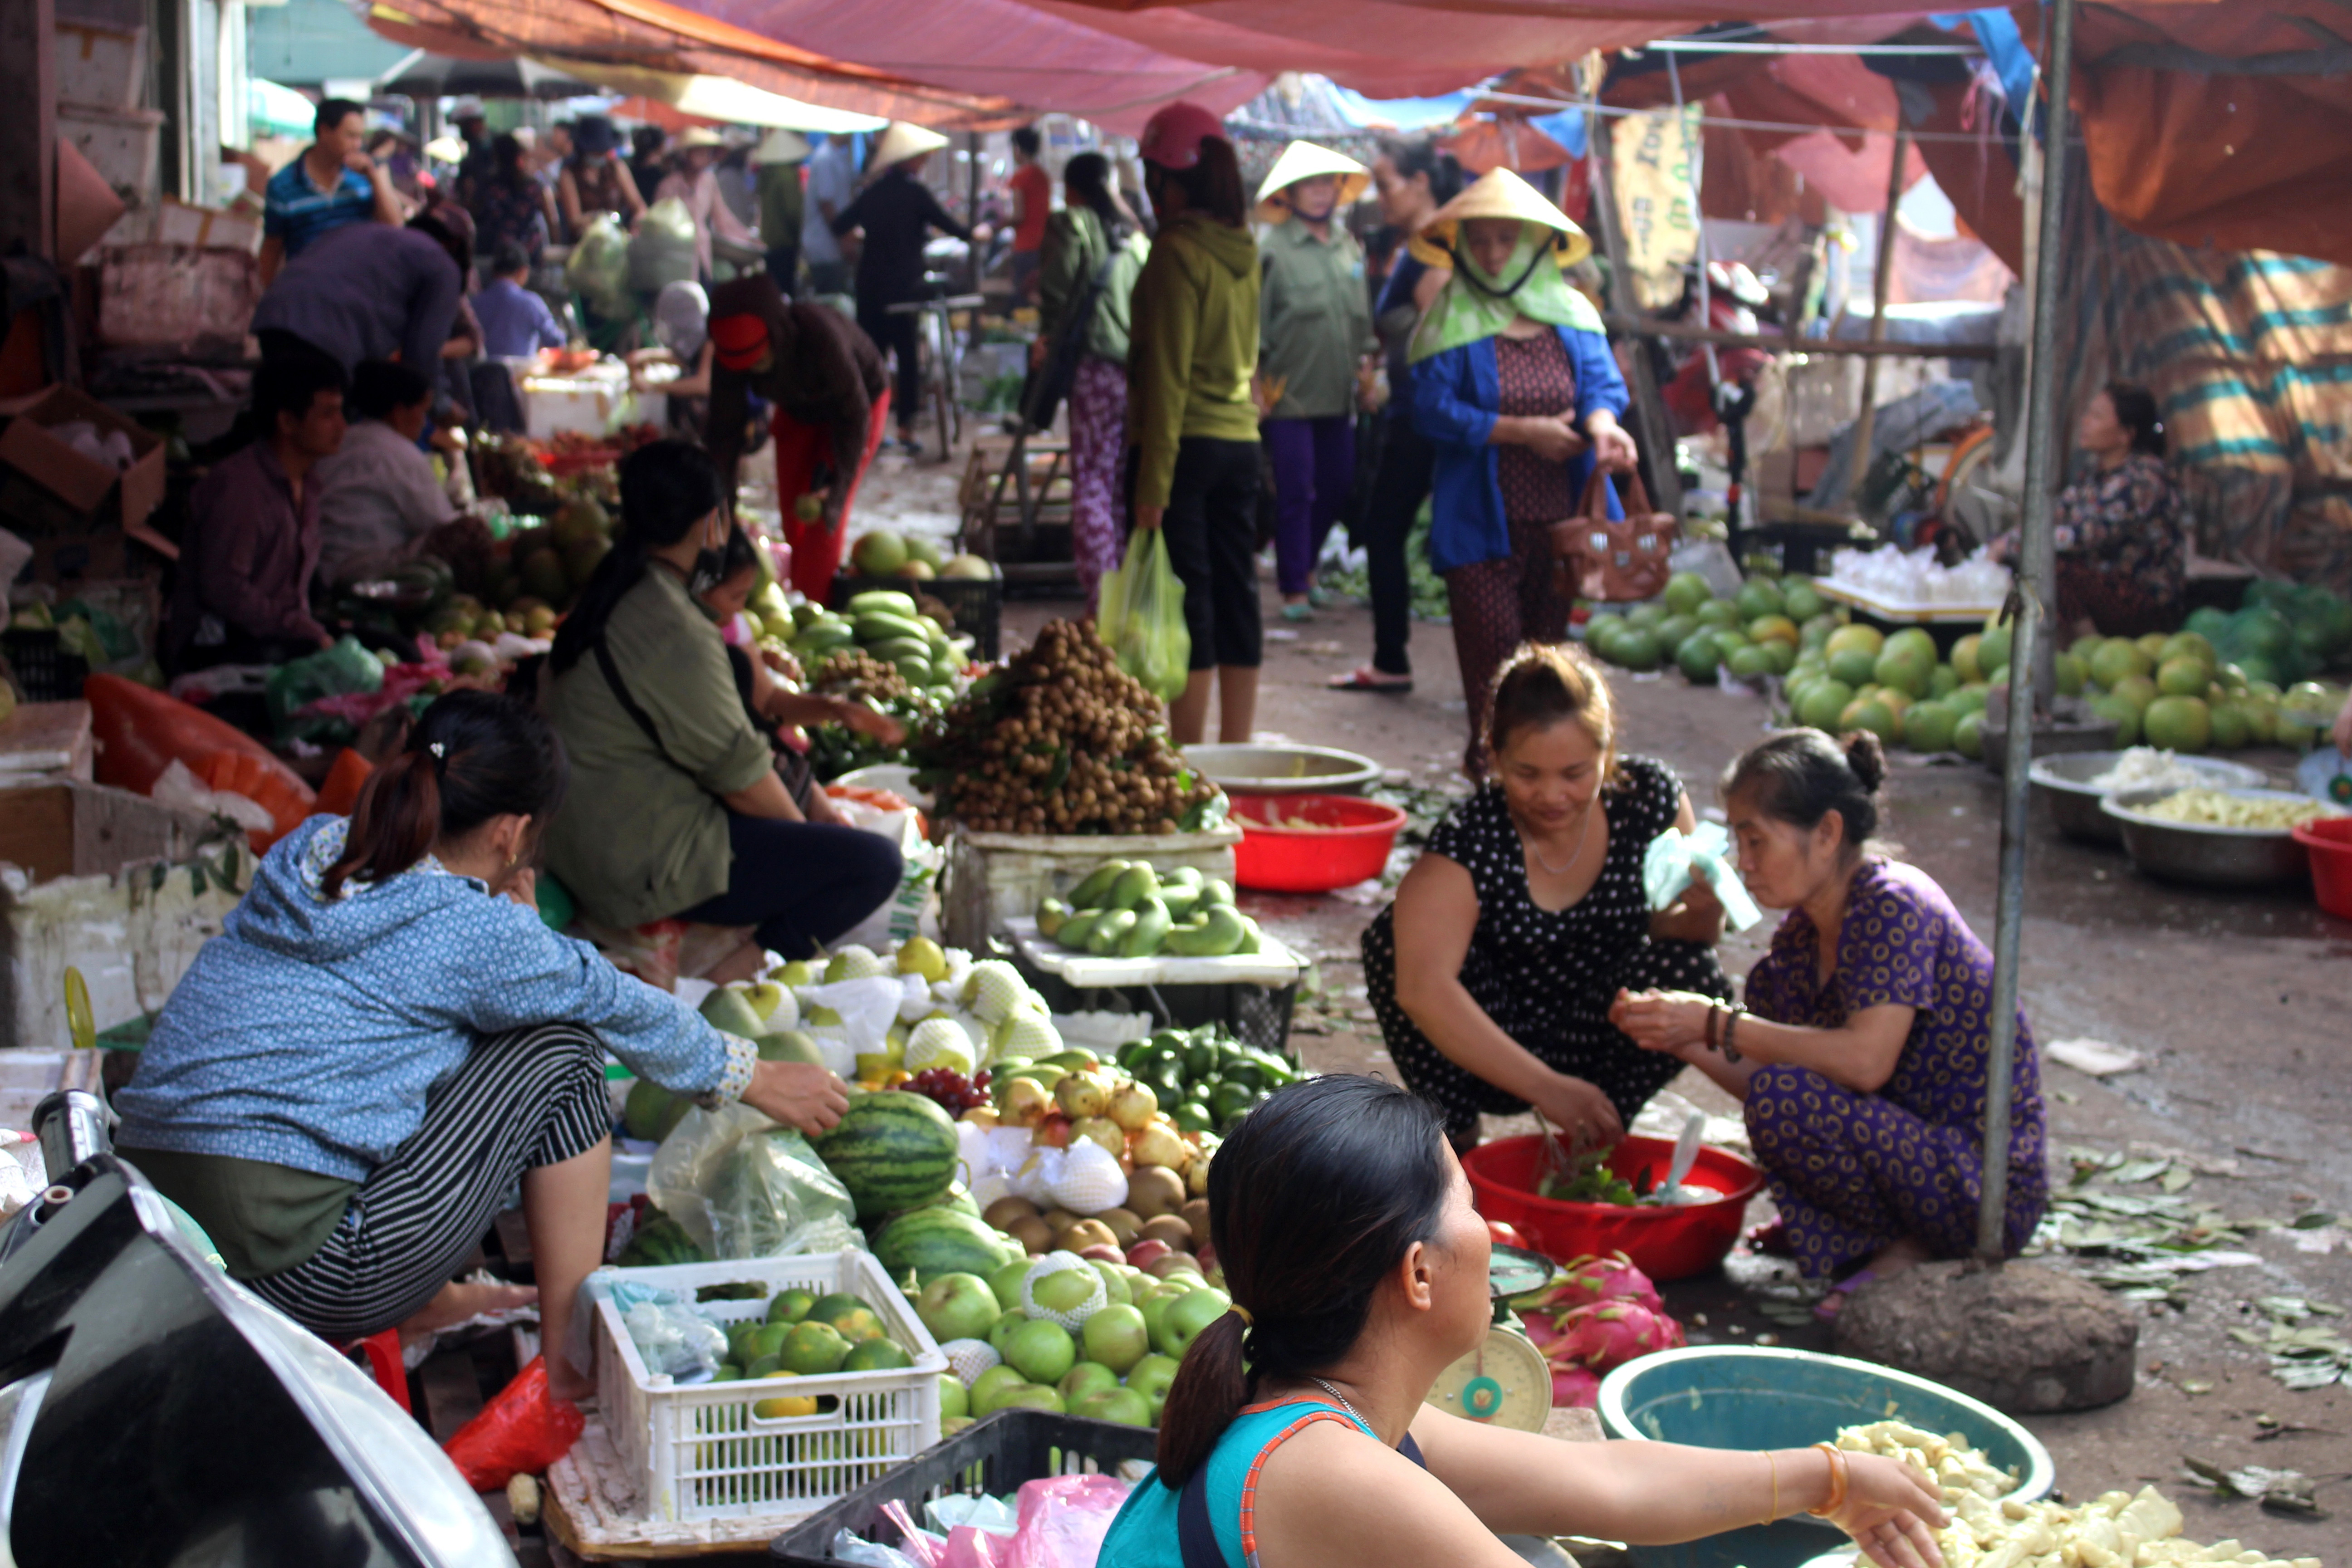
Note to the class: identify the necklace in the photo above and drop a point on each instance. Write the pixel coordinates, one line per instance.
(1340, 1397)
(1582, 840)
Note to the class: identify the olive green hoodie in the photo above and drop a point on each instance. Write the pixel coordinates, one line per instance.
(1192, 344)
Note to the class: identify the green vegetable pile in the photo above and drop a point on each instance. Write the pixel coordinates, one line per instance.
(1203, 1078)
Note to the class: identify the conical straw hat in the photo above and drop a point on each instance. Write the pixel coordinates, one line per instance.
(901, 141)
(784, 146)
(1498, 193)
(1304, 161)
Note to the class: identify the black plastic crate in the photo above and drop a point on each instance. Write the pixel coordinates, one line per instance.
(1254, 1014)
(977, 603)
(45, 670)
(993, 1455)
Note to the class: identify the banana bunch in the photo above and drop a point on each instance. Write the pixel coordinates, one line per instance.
(1124, 910)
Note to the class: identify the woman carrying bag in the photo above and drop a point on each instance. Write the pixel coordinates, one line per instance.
(1091, 258)
(1515, 389)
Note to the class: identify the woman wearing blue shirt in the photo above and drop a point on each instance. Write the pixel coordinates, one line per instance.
(385, 1038)
(1514, 387)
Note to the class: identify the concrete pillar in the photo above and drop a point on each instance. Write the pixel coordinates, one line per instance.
(28, 125)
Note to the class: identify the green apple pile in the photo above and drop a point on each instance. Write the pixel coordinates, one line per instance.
(1759, 632)
(1090, 1334)
(1125, 908)
(2178, 692)
(804, 1335)
(884, 624)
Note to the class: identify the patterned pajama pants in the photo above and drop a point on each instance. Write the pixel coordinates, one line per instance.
(522, 1100)
(1097, 439)
(1852, 1172)
(1496, 605)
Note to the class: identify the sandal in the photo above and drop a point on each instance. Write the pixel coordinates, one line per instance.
(1364, 677)
(1299, 612)
(1827, 1309)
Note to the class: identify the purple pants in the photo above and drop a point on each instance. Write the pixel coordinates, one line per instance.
(1314, 468)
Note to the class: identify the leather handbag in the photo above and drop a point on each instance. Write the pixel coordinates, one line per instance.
(1613, 560)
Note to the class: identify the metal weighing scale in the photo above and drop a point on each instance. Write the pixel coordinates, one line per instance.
(1505, 1382)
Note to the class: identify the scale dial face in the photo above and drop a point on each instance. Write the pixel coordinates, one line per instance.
(1504, 1382)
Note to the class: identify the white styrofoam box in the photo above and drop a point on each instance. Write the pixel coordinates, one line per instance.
(103, 66)
(121, 143)
(177, 223)
(699, 1452)
(592, 400)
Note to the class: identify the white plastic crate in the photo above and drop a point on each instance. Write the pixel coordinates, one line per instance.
(701, 1452)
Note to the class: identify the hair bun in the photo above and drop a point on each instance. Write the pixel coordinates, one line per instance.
(1867, 758)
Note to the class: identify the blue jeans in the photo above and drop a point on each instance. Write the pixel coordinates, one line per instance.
(1313, 468)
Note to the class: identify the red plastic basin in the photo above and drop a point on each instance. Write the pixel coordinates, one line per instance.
(1350, 843)
(2329, 842)
(1665, 1242)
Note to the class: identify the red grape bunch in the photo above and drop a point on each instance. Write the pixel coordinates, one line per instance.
(954, 1093)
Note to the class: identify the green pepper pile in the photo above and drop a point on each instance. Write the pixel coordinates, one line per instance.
(1205, 1079)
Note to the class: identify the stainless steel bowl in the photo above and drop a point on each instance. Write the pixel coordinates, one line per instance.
(1284, 769)
(2220, 856)
(2065, 781)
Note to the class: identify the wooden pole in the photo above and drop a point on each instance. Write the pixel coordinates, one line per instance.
(1865, 424)
(1657, 433)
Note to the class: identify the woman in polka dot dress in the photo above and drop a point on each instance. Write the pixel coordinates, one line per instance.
(1493, 973)
(1864, 1060)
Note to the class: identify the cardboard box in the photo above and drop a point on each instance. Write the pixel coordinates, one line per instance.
(82, 483)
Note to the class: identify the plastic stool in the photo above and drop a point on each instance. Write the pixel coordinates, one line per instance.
(391, 1373)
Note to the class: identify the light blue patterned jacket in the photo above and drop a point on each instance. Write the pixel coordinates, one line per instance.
(309, 1032)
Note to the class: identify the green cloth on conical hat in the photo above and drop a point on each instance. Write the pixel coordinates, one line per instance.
(1474, 305)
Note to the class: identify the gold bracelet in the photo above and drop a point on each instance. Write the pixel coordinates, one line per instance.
(1838, 1479)
(1769, 1459)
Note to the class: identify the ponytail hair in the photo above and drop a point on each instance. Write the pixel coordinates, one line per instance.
(1799, 776)
(474, 755)
(1313, 1202)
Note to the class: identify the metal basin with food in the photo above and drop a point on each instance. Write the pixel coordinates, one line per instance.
(2210, 853)
(2065, 781)
(1284, 769)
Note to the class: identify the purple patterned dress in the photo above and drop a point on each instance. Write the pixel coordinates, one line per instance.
(1852, 1173)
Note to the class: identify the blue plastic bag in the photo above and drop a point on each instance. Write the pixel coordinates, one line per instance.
(1674, 855)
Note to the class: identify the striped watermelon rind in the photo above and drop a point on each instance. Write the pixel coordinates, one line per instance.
(892, 1151)
(930, 1242)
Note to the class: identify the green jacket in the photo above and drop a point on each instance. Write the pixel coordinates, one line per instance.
(1075, 247)
(1192, 344)
(642, 834)
(1315, 320)
(780, 207)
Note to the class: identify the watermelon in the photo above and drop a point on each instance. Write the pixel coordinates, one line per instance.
(935, 1241)
(893, 1151)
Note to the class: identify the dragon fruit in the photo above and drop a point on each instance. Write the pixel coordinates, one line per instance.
(1590, 1279)
(1604, 1335)
(1575, 1386)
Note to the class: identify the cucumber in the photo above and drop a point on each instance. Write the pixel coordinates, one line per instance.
(1134, 884)
(1088, 893)
(1109, 932)
(1152, 924)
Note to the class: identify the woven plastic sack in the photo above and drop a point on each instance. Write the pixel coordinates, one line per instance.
(1142, 617)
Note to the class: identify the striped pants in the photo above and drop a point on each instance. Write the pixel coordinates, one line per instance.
(525, 1098)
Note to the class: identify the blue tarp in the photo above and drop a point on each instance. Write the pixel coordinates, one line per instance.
(1565, 128)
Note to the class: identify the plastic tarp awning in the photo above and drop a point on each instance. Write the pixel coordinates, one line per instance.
(719, 99)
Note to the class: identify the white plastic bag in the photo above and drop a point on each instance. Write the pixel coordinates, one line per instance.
(1673, 856)
(913, 909)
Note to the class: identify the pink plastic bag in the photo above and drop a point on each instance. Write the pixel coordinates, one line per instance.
(970, 1547)
(1062, 1521)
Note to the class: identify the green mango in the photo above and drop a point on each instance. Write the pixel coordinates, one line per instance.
(1152, 924)
(1213, 934)
(1109, 932)
(1180, 899)
(1134, 884)
(1050, 916)
(1089, 893)
(1078, 928)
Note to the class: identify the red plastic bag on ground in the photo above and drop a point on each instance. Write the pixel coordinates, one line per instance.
(520, 1432)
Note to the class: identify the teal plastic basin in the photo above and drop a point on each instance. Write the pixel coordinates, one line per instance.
(1751, 1396)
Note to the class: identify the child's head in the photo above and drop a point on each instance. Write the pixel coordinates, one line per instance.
(511, 260)
(739, 578)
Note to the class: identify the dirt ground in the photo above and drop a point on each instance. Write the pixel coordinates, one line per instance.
(2242, 1004)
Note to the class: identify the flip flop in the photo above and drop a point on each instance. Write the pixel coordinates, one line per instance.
(1827, 1309)
(1365, 678)
(1299, 612)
